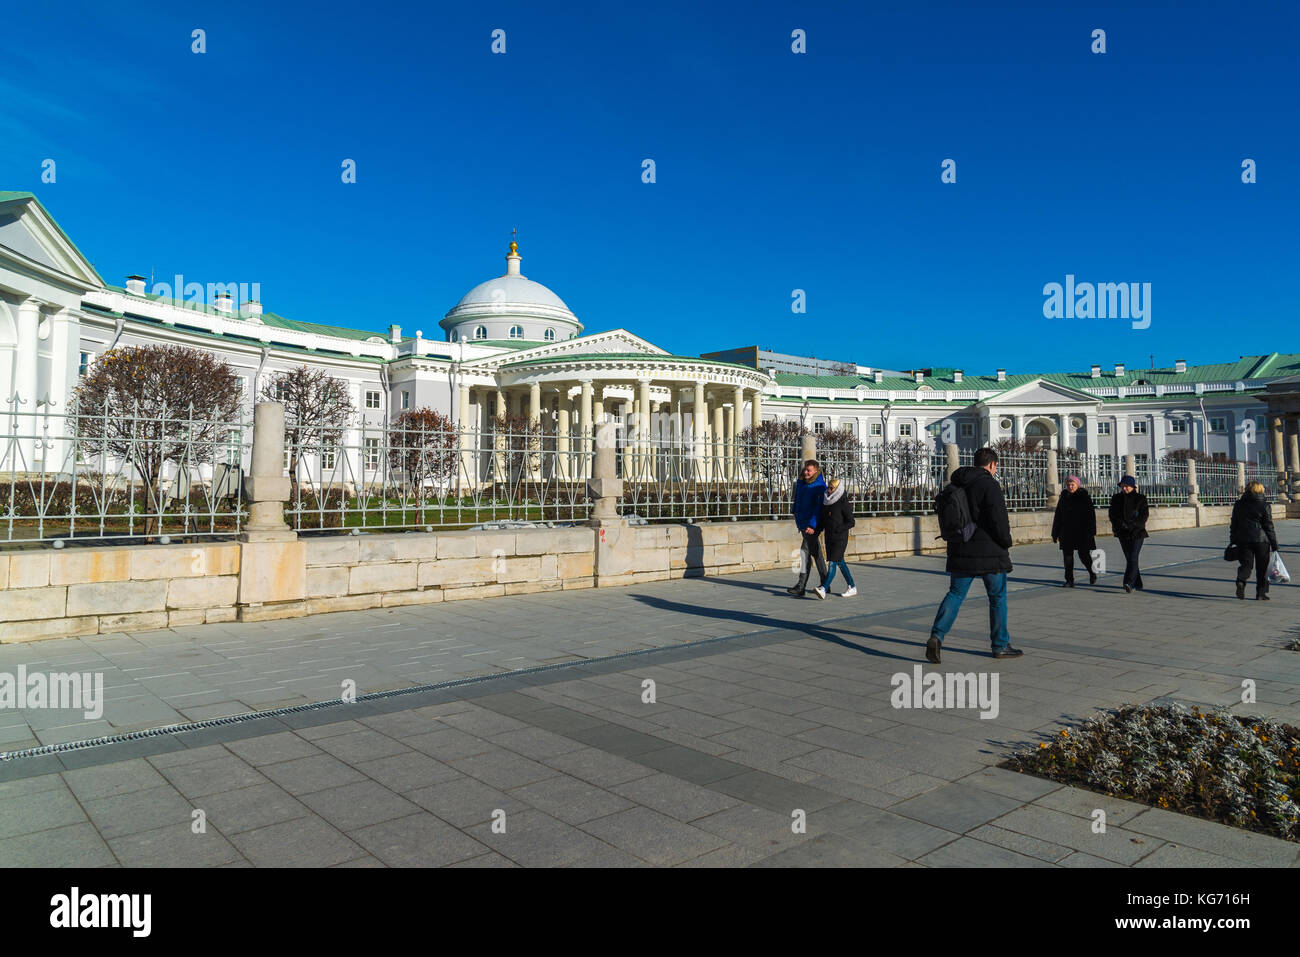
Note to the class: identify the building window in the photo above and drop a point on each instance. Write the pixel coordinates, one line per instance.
(967, 430)
(516, 332)
(1106, 464)
(1141, 460)
(875, 428)
(329, 456)
(1218, 423)
(233, 450)
(1178, 426)
(83, 364)
(286, 459)
(406, 399)
(372, 399)
(372, 454)
(1103, 428)
(819, 427)
(281, 390)
(904, 430)
(550, 335)
(480, 332)
(1219, 456)
(1139, 427)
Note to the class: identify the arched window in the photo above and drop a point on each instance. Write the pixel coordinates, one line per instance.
(480, 332)
(516, 332)
(550, 335)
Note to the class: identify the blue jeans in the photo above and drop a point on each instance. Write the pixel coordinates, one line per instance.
(996, 586)
(843, 566)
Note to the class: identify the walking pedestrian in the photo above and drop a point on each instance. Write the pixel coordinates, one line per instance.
(837, 519)
(807, 508)
(1253, 533)
(1128, 520)
(979, 543)
(1075, 527)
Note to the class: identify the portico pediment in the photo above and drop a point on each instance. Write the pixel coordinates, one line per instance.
(615, 342)
(1040, 392)
(31, 242)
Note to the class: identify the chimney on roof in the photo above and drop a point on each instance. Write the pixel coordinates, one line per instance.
(1096, 371)
(879, 377)
(1002, 375)
(394, 334)
(771, 372)
(919, 375)
(222, 302)
(252, 308)
(956, 376)
(1119, 370)
(1180, 365)
(135, 285)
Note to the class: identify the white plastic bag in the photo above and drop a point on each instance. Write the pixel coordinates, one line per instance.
(1277, 573)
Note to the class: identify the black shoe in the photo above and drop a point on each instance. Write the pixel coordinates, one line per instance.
(1069, 584)
(1007, 652)
(1092, 578)
(1128, 589)
(1262, 598)
(795, 590)
(932, 651)
(1241, 590)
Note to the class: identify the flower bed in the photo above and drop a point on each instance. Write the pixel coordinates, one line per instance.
(1236, 770)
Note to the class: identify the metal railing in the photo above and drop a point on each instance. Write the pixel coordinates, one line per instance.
(119, 475)
(1163, 482)
(364, 475)
(1217, 483)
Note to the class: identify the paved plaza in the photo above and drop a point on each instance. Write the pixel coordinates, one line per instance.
(771, 738)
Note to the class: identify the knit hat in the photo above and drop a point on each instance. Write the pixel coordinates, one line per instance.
(1128, 480)
(1075, 479)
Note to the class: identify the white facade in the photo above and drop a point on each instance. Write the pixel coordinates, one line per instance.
(512, 344)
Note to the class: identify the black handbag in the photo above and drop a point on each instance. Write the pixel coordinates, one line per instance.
(1231, 553)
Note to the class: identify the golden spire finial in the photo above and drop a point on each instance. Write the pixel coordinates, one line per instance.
(514, 246)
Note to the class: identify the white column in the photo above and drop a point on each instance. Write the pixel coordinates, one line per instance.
(1120, 430)
(585, 428)
(62, 328)
(698, 414)
(756, 409)
(1062, 430)
(465, 439)
(1157, 435)
(717, 445)
(29, 318)
(1020, 427)
(643, 427)
(562, 432)
(1090, 433)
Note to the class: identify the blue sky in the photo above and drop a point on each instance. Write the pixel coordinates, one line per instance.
(775, 171)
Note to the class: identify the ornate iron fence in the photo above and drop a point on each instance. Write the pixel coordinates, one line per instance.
(1217, 483)
(114, 475)
(366, 475)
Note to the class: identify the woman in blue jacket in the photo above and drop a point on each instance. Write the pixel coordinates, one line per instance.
(807, 508)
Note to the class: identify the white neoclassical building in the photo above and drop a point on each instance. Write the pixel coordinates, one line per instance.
(512, 345)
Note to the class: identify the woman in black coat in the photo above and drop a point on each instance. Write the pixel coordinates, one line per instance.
(1075, 527)
(1253, 533)
(836, 518)
(1128, 520)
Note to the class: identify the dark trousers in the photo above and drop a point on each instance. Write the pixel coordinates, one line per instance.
(810, 549)
(1132, 574)
(1069, 563)
(1256, 554)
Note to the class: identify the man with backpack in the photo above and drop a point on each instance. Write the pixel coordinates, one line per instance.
(973, 521)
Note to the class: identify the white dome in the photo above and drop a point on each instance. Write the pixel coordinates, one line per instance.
(504, 301)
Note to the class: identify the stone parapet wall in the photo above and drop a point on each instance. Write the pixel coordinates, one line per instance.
(50, 593)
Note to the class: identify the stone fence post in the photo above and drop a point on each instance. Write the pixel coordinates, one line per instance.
(1241, 478)
(1193, 487)
(267, 487)
(604, 487)
(953, 460)
(1053, 479)
(809, 450)
(1130, 465)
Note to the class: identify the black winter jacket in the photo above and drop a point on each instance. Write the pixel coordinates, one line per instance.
(1252, 522)
(987, 552)
(837, 519)
(1128, 515)
(1075, 523)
